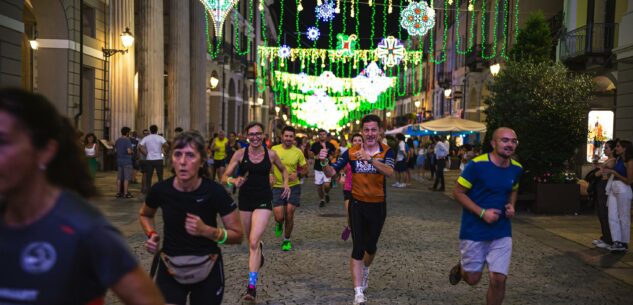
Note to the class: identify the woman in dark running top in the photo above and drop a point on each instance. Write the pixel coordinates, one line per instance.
(190, 204)
(56, 247)
(255, 196)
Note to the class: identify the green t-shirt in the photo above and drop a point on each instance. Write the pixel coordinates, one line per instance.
(290, 158)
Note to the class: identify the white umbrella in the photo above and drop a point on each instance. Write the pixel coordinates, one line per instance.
(453, 124)
(402, 129)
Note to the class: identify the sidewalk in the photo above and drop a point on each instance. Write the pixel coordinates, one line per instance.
(572, 234)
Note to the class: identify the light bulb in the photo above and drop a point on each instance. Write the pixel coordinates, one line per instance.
(300, 7)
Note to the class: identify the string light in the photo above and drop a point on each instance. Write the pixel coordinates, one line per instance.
(338, 7)
(390, 9)
(218, 9)
(299, 6)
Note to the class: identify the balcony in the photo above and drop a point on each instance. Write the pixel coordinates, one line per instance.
(588, 45)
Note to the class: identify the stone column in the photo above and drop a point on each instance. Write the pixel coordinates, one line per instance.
(624, 53)
(199, 82)
(122, 108)
(151, 66)
(178, 72)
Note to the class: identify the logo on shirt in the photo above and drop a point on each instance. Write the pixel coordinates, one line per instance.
(364, 167)
(38, 257)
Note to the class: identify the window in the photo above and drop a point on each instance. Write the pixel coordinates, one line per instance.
(89, 21)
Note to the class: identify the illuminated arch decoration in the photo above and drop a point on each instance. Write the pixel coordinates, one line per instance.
(371, 82)
(325, 12)
(218, 9)
(313, 33)
(346, 45)
(390, 51)
(417, 18)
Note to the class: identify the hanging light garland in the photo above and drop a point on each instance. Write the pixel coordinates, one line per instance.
(346, 45)
(390, 51)
(417, 18)
(325, 12)
(218, 9)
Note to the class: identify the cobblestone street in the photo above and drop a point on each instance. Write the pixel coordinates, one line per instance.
(553, 261)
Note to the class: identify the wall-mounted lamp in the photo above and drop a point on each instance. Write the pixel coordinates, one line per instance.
(388, 114)
(127, 39)
(214, 81)
(277, 109)
(417, 104)
(494, 69)
(33, 41)
(447, 92)
(260, 101)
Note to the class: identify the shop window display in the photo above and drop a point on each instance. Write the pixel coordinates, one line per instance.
(600, 130)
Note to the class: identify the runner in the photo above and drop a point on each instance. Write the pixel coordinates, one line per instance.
(190, 203)
(56, 247)
(487, 189)
(320, 180)
(218, 147)
(346, 181)
(255, 196)
(371, 162)
(284, 208)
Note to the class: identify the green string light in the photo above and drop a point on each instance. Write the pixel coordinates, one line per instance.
(345, 19)
(472, 32)
(445, 34)
(505, 29)
(210, 50)
(494, 34)
(357, 17)
(384, 18)
(297, 33)
(516, 20)
(281, 22)
(373, 22)
(236, 23)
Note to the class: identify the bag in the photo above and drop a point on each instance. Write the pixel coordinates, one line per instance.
(189, 269)
(607, 189)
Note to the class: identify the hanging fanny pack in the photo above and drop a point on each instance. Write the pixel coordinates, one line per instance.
(189, 269)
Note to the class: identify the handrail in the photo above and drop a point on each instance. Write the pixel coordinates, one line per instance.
(592, 39)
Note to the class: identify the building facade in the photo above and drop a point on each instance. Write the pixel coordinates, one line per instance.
(71, 51)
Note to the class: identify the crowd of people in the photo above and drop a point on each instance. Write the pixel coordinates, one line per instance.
(70, 254)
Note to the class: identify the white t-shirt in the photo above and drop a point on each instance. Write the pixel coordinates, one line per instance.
(401, 151)
(153, 144)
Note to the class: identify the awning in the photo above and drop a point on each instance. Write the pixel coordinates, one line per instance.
(451, 124)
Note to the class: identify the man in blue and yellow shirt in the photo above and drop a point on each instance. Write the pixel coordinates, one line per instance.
(370, 162)
(487, 189)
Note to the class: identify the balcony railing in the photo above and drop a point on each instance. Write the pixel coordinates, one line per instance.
(595, 39)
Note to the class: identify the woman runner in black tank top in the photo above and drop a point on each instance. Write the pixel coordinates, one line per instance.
(256, 191)
(255, 196)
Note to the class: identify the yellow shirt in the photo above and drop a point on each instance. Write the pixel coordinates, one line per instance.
(219, 152)
(290, 158)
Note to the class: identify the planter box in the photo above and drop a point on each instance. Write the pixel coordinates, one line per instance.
(557, 198)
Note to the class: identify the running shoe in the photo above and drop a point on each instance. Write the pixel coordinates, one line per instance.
(327, 198)
(249, 296)
(600, 244)
(360, 299)
(286, 245)
(455, 275)
(617, 247)
(321, 203)
(365, 281)
(345, 234)
(279, 229)
(261, 254)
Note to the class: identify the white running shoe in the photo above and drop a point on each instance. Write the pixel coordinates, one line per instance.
(600, 244)
(365, 281)
(360, 299)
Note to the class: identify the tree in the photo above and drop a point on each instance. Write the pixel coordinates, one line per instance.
(534, 42)
(547, 106)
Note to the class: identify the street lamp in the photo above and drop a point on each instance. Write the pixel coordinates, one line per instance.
(447, 92)
(494, 69)
(388, 114)
(417, 105)
(127, 39)
(214, 81)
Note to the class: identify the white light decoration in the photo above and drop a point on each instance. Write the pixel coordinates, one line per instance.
(313, 33)
(284, 52)
(390, 51)
(320, 109)
(417, 18)
(371, 82)
(325, 12)
(218, 9)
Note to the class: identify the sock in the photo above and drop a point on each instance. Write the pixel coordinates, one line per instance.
(365, 270)
(358, 290)
(252, 279)
(286, 238)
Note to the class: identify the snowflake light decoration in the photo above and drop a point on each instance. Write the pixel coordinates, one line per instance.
(371, 82)
(313, 33)
(346, 45)
(391, 51)
(325, 12)
(284, 52)
(218, 9)
(417, 18)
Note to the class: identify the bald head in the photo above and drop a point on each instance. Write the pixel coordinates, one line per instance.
(497, 134)
(504, 142)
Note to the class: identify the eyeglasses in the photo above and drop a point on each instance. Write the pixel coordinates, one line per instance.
(508, 140)
(255, 134)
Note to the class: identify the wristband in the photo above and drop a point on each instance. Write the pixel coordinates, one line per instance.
(152, 232)
(223, 240)
(481, 215)
(228, 181)
(324, 163)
